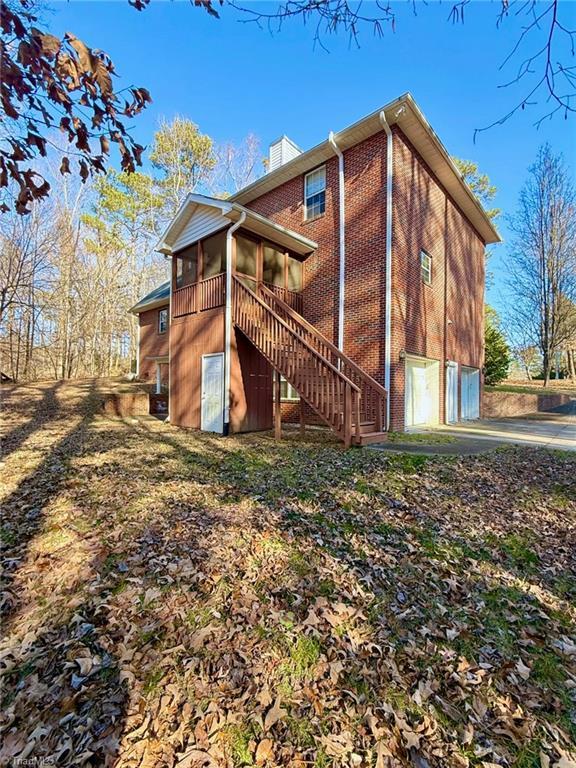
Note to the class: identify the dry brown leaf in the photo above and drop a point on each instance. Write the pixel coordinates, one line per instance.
(264, 751)
(274, 714)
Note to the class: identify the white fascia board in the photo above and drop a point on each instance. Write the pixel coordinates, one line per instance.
(185, 211)
(233, 211)
(424, 140)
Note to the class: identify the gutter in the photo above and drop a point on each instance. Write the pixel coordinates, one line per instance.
(228, 322)
(341, 239)
(388, 264)
(171, 277)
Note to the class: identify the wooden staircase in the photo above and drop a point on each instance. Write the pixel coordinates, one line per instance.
(349, 401)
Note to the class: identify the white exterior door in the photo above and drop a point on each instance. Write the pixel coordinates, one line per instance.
(212, 402)
(470, 393)
(421, 398)
(451, 393)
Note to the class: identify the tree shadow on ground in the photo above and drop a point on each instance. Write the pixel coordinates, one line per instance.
(38, 415)
(211, 571)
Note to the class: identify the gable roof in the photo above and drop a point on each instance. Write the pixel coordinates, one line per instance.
(159, 297)
(405, 113)
(231, 213)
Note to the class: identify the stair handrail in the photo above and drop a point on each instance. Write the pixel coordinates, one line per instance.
(332, 347)
(293, 333)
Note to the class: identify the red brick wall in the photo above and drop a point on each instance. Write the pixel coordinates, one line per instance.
(501, 404)
(285, 205)
(444, 320)
(424, 217)
(152, 344)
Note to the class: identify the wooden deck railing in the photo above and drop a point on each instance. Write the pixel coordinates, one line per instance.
(292, 298)
(372, 405)
(321, 384)
(207, 294)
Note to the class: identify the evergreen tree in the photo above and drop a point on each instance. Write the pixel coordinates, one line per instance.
(497, 352)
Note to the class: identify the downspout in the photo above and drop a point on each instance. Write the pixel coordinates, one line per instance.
(388, 264)
(138, 350)
(228, 322)
(170, 335)
(341, 240)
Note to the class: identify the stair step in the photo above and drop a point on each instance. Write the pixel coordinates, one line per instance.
(365, 426)
(370, 437)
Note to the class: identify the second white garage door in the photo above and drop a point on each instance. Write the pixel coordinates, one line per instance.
(422, 391)
(470, 393)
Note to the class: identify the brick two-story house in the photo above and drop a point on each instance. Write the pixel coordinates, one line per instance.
(347, 282)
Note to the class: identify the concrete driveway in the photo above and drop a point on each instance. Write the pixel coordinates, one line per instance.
(555, 429)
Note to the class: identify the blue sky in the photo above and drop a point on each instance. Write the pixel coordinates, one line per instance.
(232, 78)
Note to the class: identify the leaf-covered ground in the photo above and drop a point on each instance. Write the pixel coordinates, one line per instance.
(172, 598)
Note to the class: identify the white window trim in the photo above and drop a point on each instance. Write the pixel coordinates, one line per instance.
(306, 175)
(160, 311)
(292, 396)
(425, 255)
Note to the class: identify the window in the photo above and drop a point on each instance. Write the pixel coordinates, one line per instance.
(294, 274)
(214, 255)
(162, 321)
(246, 254)
(287, 391)
(315, 193)
(273, 267)
(187, 266)
(426, 267)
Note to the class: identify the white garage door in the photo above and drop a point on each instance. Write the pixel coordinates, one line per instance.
(422, 392)
(470, 393)
(451, 392)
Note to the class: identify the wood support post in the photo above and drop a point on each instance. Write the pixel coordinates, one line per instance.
(347, 416)
(302, 419)
(277, 409)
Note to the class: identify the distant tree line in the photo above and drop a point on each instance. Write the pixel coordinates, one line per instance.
(72, 268)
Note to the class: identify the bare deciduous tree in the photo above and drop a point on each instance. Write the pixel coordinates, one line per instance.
(237, 165)
(542, 257)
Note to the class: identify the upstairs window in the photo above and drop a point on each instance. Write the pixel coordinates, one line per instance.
(162, 321)
(426, 267)
(315, 193)
(187, 266)
(273, 266)
(214, 255)
(294, 274)
(246, 256)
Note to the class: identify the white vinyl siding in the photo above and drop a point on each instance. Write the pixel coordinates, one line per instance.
(202, 223)
(282, 151)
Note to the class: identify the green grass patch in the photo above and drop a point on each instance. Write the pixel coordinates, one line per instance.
(408, 462)
(517, 549)
(238, 738)
(425, 438)
(152, 680)
(7, 536)
(554, 389)
(301, 731)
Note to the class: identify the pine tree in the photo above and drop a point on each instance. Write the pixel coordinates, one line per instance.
(497, 352)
